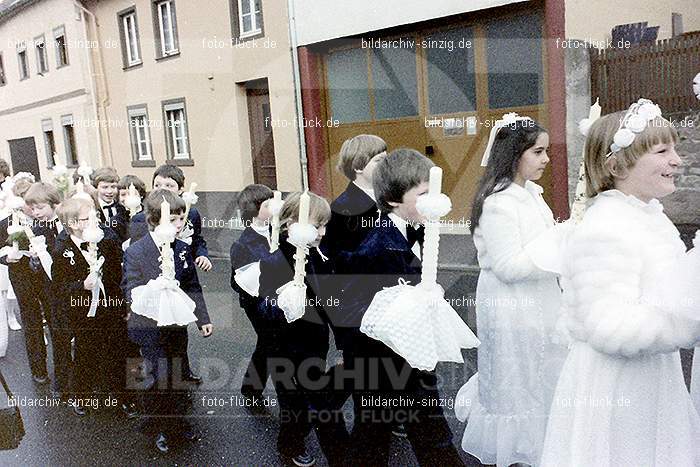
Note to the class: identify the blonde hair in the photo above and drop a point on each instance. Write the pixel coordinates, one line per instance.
(601, 171)
(356, 152)
(69, 211)
(41, 192)
(319, 210)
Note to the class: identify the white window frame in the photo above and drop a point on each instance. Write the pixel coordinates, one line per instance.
(177, 130)
(42, 59)
(22, 59)
(255, 27)
(166, 7)
(60, 32)
(140, 133)
(133, 55)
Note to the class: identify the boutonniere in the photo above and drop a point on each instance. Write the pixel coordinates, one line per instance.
(69, 254)
(182, 258)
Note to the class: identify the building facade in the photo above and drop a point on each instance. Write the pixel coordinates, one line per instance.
(47, 90)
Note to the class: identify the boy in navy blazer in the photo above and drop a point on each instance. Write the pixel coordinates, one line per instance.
(354, 212)
(253, 245)
(391, 252)
(164, 348)
(110, 212)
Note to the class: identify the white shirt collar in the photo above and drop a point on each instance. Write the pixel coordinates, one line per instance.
(261, 230)
(76, 240)
(399, 223)
(104, 203)
(368, 191)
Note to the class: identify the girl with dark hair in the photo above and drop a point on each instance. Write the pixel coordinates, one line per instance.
(517, 304)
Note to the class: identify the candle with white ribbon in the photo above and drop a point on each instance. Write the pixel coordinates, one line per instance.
(132, 200)
(275, 235)
(578, 207)
(435, 183)
(164, 212)
(304, 208)
(595, 111)
(189, 197)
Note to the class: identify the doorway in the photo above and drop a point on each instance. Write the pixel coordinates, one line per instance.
(24, 157)
(262, 145)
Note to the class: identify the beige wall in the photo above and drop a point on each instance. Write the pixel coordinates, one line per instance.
(41, 95)
(207, 76)
(594, 19)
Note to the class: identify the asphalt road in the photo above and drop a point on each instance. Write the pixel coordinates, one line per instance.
(228, 433)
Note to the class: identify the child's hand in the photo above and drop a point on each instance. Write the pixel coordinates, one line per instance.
(207, 329)
(89, 282)
(203, 263)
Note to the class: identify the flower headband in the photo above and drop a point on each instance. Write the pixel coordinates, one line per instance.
(508, 119)
(634, 122)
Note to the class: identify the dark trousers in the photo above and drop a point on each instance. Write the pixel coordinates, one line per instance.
(258, 369)
(166, 399)
(388, 393)
(33, 308)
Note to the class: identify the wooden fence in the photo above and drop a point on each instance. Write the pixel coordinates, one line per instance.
(662, 71)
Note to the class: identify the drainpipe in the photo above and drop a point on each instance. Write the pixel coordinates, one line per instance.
(93, 83)
(297, 96)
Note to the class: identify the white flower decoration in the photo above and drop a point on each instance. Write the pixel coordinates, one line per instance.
(649, 111)
(275, 206)
(623, 138)
(69, 254)
(85, 171)
(510, 118)
(190, 198)
(93, 235)
(14, 202)
(696, 86)
(302, 235)
(636, 123)
(26, 175)
(584, 126)
(59, 170)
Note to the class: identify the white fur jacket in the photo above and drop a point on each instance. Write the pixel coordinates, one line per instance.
(630, 288)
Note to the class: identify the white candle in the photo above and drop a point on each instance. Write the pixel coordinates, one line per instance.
(193, 185)
(304, 208)
(132, 190)
(15, 217)
(79, 187)
(277, 195)
(435, 184)
(164, 213)
(594, 112)
(92, 219)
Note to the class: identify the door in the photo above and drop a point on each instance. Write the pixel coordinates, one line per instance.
(24, 157)
(261, 139)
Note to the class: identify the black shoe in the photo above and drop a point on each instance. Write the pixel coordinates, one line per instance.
(304, 460)
(162, 442)
(130, 410)
(40, 379)
(192, 378)
(399, 431)
(78, 409)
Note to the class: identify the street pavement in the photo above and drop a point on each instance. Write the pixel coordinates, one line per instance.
(228, 434)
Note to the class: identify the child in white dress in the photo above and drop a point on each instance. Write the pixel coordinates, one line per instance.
(621, 399)
(517, 304)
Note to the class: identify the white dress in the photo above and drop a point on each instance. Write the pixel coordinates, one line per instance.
(621, 399)
(517, 307)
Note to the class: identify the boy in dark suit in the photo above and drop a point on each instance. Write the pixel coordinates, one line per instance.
(164, 348)
(111, 212)
(252, 246)
(301, 347)
(29, 283)
(99, 362)
(354, 212)
(170, 177)
(391, 251)
(42, 200)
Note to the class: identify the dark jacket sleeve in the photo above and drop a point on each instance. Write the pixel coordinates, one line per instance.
(138, 227)
(190, 284)
(132, 275)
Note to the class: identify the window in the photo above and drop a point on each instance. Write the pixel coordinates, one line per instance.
(348, 84)
(59, 39)
(166, 28)
(69, 140)
(139, 130)
(394, 81)
(129, 32)
(176, 132)
(49, 142)
(42, 63)
(451, 77)
(249, 18)
(3, 80)
(22, 61)
(514, 57)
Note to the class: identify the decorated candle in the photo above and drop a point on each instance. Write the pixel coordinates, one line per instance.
(594, 112)
(304, 208)
(435, 183)
(164, 213)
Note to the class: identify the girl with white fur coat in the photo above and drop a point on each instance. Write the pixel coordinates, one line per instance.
(621, 399)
